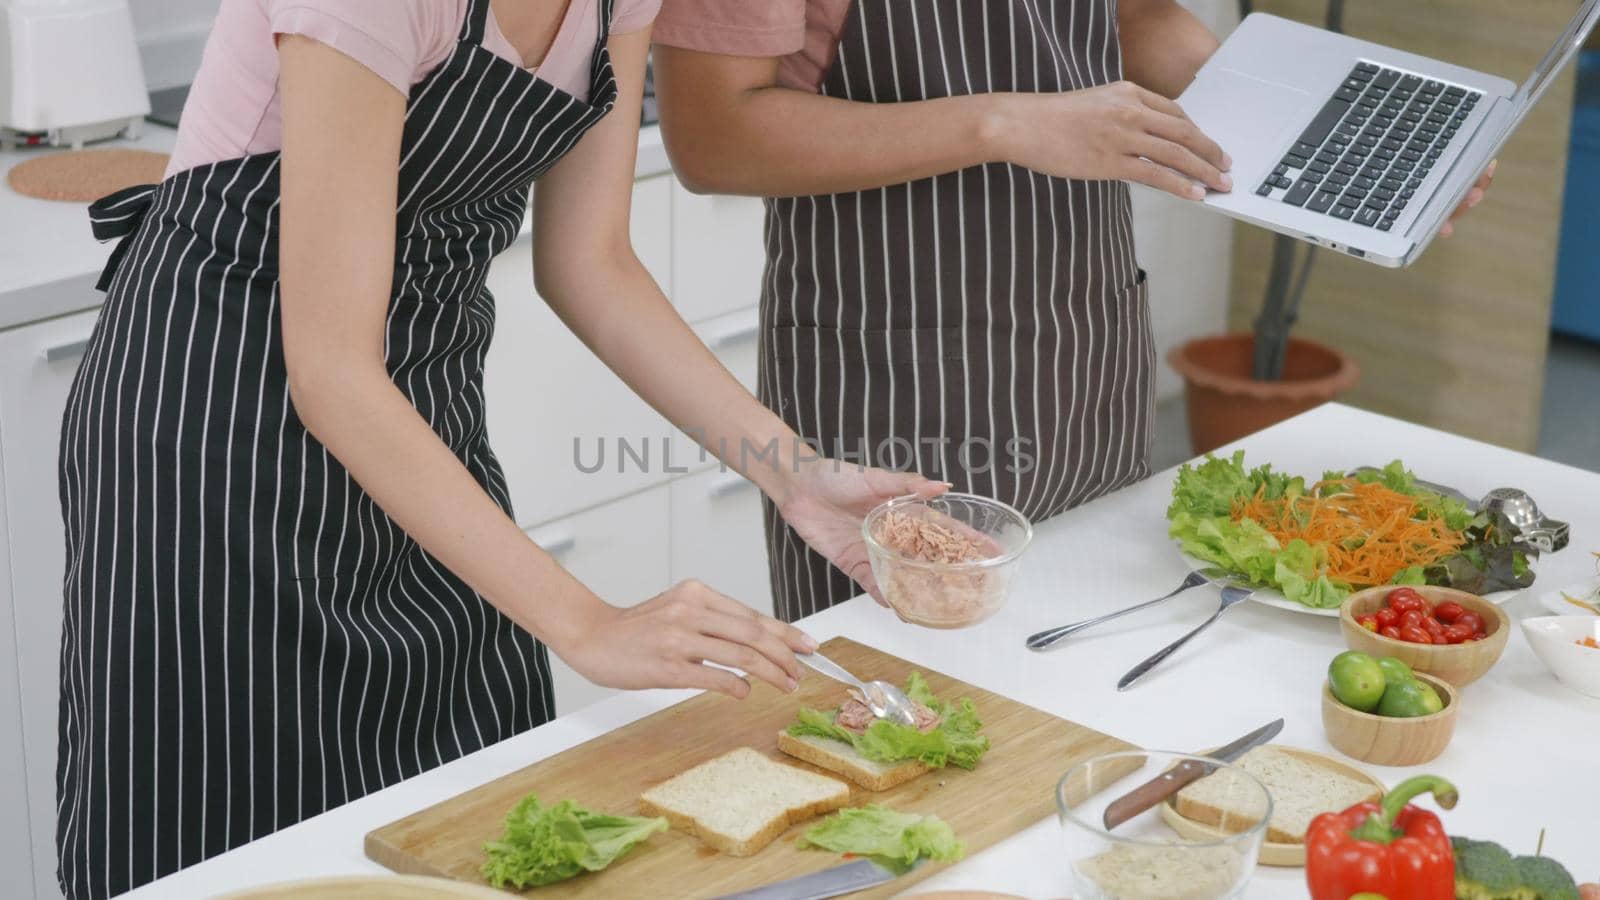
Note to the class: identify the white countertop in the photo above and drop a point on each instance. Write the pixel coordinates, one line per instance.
(49, 260)
(1523, 754)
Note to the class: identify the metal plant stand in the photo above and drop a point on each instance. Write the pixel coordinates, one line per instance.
(1280, 308)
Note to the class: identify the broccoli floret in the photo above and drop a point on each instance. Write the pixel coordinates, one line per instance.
(1543, 878)
(1485, 871)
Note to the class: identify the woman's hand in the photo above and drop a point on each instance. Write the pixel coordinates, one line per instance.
(1116, 131)
(1473, 198)
(826, 500)
(666, 642)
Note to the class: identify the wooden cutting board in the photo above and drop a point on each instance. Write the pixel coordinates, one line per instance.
(1012, 788)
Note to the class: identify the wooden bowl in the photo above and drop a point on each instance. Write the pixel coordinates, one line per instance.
(1273, 853)
(1459, 664)
(1387, 741)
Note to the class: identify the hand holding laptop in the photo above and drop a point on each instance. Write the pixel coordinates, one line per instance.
(1117, 131)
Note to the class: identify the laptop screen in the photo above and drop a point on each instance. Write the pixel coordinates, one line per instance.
(1572, 38)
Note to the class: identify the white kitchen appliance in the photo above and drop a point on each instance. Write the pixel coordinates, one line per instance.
(69, 72)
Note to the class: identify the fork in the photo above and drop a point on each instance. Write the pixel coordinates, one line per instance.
(884, 699)
(1044, 640)
(1232, 595)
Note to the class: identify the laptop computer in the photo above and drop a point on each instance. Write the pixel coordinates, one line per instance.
(1351, 145)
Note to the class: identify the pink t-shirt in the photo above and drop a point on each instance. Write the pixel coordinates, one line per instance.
(233, 107)
(804, 34)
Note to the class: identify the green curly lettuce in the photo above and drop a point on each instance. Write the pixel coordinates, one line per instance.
(894, 840)
(545, 844)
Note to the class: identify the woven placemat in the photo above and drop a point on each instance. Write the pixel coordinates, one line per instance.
(81, 176)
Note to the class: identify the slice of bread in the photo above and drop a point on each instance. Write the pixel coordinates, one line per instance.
(1300, 792)
(837, 756)
(742, 800)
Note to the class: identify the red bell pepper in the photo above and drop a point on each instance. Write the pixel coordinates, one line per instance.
(1393, 849)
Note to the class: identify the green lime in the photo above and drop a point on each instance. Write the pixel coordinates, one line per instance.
(1356, 680)
(1409, 699)
(1395, 671)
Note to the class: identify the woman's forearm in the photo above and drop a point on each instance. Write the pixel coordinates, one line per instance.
(773, 141)
(1163, 45)
(378, 436)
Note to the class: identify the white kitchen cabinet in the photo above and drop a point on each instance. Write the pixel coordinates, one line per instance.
(717, 253)
(717, 536)
(37, 363)
(620, 551)
(552, 404)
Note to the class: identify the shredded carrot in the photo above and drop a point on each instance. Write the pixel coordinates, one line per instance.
(1370, 533)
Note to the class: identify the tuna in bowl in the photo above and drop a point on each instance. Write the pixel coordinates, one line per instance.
(948, 561)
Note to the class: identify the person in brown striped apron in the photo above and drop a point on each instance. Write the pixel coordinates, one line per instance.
(951, 283)
(293, 576)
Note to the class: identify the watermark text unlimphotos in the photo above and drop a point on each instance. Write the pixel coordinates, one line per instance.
(971, 455)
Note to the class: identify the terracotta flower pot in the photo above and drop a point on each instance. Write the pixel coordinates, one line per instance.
(1226, 404)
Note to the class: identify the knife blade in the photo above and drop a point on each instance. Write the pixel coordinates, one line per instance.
(1183, 774)
(834, 882)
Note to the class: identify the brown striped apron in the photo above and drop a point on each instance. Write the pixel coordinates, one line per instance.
(988, 327)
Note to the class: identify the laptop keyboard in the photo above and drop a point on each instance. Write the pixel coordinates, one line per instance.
(1366, 153)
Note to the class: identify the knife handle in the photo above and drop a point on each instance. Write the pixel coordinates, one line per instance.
(1154, 791)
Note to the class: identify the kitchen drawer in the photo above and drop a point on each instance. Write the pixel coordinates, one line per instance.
(734, 339)
(37, 363)
(620, 551)
(717, 537)
(546, 390)
(718, 253)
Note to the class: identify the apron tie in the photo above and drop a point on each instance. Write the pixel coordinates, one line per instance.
(118, 216)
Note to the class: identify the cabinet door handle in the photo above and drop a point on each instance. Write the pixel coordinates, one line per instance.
(69, 350)
(735, 335)
(731, 483)
(557, 545)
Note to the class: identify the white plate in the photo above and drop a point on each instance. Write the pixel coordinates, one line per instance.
(1583, 590)
(1272, 597)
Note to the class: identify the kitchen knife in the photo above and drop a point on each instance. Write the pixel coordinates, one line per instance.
(1176, 778)
(834, 882)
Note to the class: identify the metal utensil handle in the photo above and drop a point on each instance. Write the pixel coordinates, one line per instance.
(1138, 672)
(819, 663)
(1050, 637)
(1154, 791)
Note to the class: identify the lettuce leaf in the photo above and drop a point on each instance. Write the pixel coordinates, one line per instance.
(955, 742)
(894, 840)
(546, 844)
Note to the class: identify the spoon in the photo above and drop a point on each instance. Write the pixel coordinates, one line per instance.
(884, 699)
(1050, 637)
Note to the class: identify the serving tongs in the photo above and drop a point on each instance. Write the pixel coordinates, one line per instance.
(1513, 506)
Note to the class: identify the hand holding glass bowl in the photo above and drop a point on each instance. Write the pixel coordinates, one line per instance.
(948, 561)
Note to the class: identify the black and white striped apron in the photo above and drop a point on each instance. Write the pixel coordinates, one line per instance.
(987, 327)
(248, 639)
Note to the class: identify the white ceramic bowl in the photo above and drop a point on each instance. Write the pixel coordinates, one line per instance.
(1555, 640)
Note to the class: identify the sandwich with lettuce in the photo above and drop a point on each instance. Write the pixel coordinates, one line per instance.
(879, 754)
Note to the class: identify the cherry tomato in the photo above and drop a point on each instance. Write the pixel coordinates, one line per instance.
(1457, 634)
(1411, 618)
(1415, 635)
(1434, 628)
(1390, 631)
(1470, 619)
(1386, 617)
(1480, 635)
(1448, 611)
(1370, 623)
(1402, 600)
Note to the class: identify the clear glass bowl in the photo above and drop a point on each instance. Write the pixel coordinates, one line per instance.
(946, 562)
(1144, 859)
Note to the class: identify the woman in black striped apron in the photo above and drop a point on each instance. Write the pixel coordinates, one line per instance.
(292, 575)
(951, 283)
